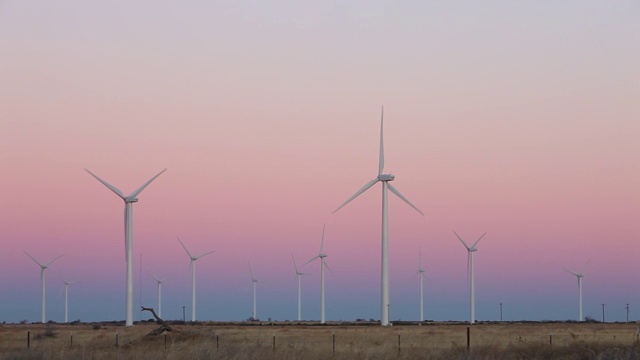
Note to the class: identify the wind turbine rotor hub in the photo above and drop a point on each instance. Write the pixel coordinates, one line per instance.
(322, 256)
(131, 199)
(473, 250)
(386, 177)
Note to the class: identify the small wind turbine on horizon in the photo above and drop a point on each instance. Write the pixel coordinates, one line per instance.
(471, 273)
(420, 273)
(385, 179)
(321, 255)
(159, 281)
(43, 279)
(580, 275)
(192, 265)
(66, 299)
(299, 275)
(254, 281)
(128, 235)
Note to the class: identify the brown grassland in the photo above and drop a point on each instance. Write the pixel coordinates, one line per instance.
(331, 341)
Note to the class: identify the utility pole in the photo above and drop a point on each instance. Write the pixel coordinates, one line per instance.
(500, 312)
(183, 318)
(627, 308)
(603, 313)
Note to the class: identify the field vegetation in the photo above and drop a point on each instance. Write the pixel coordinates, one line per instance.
(292, 340)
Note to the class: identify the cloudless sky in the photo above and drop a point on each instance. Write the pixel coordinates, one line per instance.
(515, 118)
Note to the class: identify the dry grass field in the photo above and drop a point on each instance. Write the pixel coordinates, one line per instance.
(333, 341)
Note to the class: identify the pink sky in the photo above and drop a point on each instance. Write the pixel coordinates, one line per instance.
(519, 120)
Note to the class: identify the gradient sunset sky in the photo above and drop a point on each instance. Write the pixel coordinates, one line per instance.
(515, 118)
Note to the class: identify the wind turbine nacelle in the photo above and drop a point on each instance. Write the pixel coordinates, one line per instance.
(130, 199)
(386, 177)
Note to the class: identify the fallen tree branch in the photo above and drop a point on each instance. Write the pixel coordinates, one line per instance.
(163, 325)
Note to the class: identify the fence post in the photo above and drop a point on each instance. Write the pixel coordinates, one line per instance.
(28, 339)
(334, 341)
(71, 339)
(550, 340)
(398, 342)
(468, 339)
(165, 340)
(116, 337)
(274, 342)
(217, 341)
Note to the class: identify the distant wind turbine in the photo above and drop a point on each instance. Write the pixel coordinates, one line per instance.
(254, 281)
(299, 274)
(321, 255)
(128, 235)
(420, 273)
(193, 277)
(43, 279)
(385, 180)
(471, 273)
(159, 281)
(580, 275)
(66, 299)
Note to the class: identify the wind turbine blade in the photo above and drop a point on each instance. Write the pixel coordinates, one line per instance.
(139, 190)
(251, 272)
(363, 189)
(207, 253)
(311, 260)
(328, 268)
(111, 187)
(154, 278)
(41, 274)
(34, 259)
(398, 194)
(463, 243)
(420, 259)
(54, 259)
(585, 266)
(570, 272)
(322, 241)
(381, 160)
(295, 265)
(185, 248)
(477, 241)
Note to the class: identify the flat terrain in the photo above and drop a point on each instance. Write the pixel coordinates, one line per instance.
(307, 341)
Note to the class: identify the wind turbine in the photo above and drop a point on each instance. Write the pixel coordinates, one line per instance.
(66, 299)
(193, 277)
(420, 272)
(580, 275)
(385, 180)
(254, 281)
(159, 281)
(321, 255)
(298, 275)
(471, 272)
(43, 267)
(128, 235)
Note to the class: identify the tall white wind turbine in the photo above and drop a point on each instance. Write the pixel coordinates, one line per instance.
(66, 299)
(385, 180)
(43, 279)
(471, 273)
(321, 255)
(254, 281)
(579, 275)
(159, 282)
(420, 273)
(128, 235)
(299, 274)
(193, 277)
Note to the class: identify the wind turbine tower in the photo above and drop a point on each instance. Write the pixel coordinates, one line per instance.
(299, 275)
(579, 275)
(66, 300)
(385, 179)
(128, 235)
(193, 277)
(159, 282)
(43, 281)
(254, 281)
(471, 273)
(420, 273)
(321, 255)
